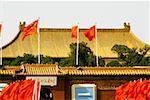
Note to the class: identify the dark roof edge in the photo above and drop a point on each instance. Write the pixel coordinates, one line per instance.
(13, 40)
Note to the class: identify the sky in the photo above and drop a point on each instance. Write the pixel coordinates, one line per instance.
(65, 14)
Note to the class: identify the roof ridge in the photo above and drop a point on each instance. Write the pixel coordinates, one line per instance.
(84, 29)
(126, 28)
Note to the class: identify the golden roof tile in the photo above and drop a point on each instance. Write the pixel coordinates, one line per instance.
(58, 36)
(52, 69)
(109, 71)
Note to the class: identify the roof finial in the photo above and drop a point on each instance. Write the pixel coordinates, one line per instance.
(21, 26)
(127, 26)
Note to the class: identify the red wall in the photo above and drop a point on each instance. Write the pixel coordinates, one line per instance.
(106, 94)
(63, 89)
(102, 94)
(58, 91)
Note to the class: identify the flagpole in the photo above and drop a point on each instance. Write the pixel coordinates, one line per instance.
(38, 31)
(77, 50)
(1, 48)
(96, 46)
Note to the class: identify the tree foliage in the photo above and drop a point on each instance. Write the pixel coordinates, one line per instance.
(46, 60)
(17, 61)
(28, 59)
(114, 64)
(86, 56)
(126, 57)
(132, 56)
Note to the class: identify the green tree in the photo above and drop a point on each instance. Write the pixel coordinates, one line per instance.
(17, 61)
(6, 62)
(101, 62)
(46, 60)
(132, 56)
(29, 59)
(114, 64)
(86, 56)
(64, 62)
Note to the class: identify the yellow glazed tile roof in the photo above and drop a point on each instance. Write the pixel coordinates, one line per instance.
(107, 71)
(55, 42)
(8, 71)
(31, 69)
(51, 69)
(40, 69)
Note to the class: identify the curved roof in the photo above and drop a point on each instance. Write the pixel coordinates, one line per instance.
(55, 42)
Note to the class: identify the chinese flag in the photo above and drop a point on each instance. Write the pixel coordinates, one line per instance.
(30, 29)
(14, 92)
(90, 34)
(6, 91)
(21, 90)
(0, 27)
(74, 31)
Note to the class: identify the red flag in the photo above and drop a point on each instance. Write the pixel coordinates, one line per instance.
(30, 29)
(0, 28)
(13, 95)
(24, 89)
(134, 91)
(74, 31)
(6, 91)
(90, 34)
(21, 90)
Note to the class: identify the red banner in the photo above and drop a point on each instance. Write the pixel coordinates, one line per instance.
(90, 34)
(21, 90)
(30, 29)
(136, 90)
(74, 30)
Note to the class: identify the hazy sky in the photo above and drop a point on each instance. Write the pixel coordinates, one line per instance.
(64, 14)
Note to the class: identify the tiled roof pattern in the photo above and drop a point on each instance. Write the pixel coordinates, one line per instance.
(39, 69)
(7, 72)
(51, 69)
(55, 42)
(108, 71)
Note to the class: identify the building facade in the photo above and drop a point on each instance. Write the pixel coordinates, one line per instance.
(70, 83)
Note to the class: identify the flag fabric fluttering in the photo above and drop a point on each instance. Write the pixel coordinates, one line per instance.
(30, 29)
(74, 30)
(90, 33)
(22, 90)
(136, 90)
